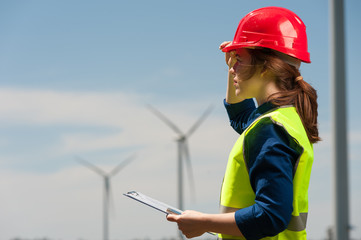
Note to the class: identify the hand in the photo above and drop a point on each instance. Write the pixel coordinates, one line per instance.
(230, 56)
(191, 223)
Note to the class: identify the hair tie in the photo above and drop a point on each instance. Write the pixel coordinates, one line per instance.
(299, 78)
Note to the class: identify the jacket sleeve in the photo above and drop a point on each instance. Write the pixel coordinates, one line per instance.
(270, 155)
(239, 114)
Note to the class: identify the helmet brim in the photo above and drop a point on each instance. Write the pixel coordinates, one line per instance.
(305, 56)
(232, 47)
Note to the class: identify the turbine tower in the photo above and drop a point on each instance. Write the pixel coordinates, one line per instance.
(183, 151)
(107, 188)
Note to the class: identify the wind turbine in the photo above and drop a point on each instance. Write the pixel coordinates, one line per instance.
(183, 151)
(107, 188)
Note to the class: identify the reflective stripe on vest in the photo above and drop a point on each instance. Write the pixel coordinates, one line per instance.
(237, 192)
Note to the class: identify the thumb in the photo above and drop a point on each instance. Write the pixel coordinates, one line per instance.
(172, 217)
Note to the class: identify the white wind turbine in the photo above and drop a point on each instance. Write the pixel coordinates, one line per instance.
(183, 152)
(107, 188)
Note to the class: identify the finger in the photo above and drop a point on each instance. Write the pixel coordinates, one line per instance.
(224, 44)
(172, 217)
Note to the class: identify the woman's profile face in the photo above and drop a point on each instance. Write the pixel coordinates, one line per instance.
(241, 69)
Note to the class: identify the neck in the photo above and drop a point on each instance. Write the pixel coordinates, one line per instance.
(267, 90)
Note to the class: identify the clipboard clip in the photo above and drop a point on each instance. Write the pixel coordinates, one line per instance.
(134, 193)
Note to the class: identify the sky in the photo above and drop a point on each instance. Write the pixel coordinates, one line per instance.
(76, 78)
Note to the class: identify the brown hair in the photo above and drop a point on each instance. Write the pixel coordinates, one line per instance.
(294, 90)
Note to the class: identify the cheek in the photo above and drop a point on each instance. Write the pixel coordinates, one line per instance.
(244, 72)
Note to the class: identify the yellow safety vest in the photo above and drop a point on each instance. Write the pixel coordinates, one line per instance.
(237, 192)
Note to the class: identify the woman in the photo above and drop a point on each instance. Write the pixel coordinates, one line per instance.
(265, 189)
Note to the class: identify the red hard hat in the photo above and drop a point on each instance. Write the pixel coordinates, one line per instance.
(272, 27)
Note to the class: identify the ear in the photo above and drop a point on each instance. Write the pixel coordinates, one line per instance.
(267, 75)
(264, 72)
(263, 69)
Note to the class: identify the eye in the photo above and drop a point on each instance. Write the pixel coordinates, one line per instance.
(239, 59)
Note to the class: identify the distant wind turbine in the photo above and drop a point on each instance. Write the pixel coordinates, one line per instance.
(183, 151)
(107, 188)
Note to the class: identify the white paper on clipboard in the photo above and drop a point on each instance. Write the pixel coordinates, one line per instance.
(165, 208)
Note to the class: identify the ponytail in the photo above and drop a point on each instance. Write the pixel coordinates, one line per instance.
(294, 90)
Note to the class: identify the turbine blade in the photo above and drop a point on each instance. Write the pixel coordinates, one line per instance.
(189, 168)
(165, 120)
(90, 166)
(200, 120)
(121, 165)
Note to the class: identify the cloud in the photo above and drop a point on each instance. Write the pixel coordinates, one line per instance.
(125, 115)
(53, 107)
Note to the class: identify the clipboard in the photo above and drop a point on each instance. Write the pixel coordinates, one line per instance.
(160, 206)
(150, 202)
